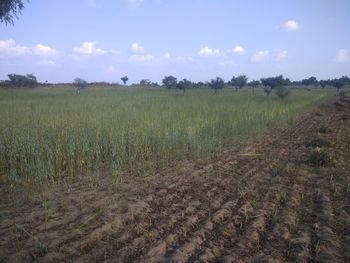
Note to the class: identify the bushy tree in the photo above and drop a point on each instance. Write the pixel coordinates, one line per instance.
(273, 82)
(239, 82)
(312, 81)
(80, 84)
(9, 9)
(254, 84)
(282, 92)
(145, 82)
(324, 83)
(124, 79)
(279, 83)
(28, 80)
(169, 82)
(337, 83)
(216, 84)
(183, 85)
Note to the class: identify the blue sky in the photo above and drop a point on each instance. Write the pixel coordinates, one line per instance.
(103, 40)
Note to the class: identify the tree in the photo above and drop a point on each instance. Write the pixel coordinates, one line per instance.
(80, 84)
(239, 82)
(323, 83)
(169, 82)
(28, 80)
(183, 85)
(145, 82)
(275, 82)
(124, 79)
(337, 83)
(9, 9)
(282, 92)
(312, 81)
(254, 84)
(216, 84)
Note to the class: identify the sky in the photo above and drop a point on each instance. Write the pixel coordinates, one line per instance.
(103, 40)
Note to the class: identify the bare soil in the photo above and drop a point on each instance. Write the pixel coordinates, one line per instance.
(283, 199)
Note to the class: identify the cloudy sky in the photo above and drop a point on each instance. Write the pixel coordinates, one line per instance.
(103, 40)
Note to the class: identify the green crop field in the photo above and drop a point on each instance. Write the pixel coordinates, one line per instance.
(55, 133)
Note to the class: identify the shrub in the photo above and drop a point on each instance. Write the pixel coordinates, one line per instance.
(282, 92)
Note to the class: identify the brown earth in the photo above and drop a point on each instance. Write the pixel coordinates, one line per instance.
(284, 199)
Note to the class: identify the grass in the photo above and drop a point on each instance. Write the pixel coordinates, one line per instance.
(48, 133)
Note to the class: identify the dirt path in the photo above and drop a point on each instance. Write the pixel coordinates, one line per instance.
(285, 199)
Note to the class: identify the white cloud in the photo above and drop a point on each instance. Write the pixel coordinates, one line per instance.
(166, 55)
(141, 58)
(280, 55)
(208, 52)
(238, 50)
(343, 55)
(137, 48)
(11, 48)
(274, 55)
(260, 56)
(40, 49)
(88, 48)
(291, 25)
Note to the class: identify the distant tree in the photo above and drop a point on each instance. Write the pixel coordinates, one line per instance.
(323, 83)
(216, 84)
(267, 90)
(28, 80)
(124, 79)
(275, 82)
(337, 83)
(183, 85)
(239, 82)
(312, 81)
(282, 92)
(145, 82)
(9, 10)
(253, 84)
(169, 82)
(80, 84)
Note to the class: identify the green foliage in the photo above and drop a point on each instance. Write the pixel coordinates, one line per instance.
(9, 9)
(124, 79)
(267, 90)
(28, 80)
(169, 82)
(282, 92)
(239, 82)
(274, 82)
(312, 81)
(80, 84)
(216, 84)
(47, 133)
(184, 85)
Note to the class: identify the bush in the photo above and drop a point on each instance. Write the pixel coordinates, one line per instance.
(282, 92)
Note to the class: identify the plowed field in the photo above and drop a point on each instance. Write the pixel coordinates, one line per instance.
(282, 199)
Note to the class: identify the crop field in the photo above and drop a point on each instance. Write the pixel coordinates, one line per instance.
(230, 177)
(55, 133)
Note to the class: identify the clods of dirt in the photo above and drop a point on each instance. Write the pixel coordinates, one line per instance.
(319, 158)
(318, 142)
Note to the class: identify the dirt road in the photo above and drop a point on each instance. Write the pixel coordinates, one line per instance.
(284, 199)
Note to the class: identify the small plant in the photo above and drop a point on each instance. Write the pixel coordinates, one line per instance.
(282, 92)
(324, 129)
(319, 157)
(317, 143)
(267, 90)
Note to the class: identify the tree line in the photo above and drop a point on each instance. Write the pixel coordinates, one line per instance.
(279, 83)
